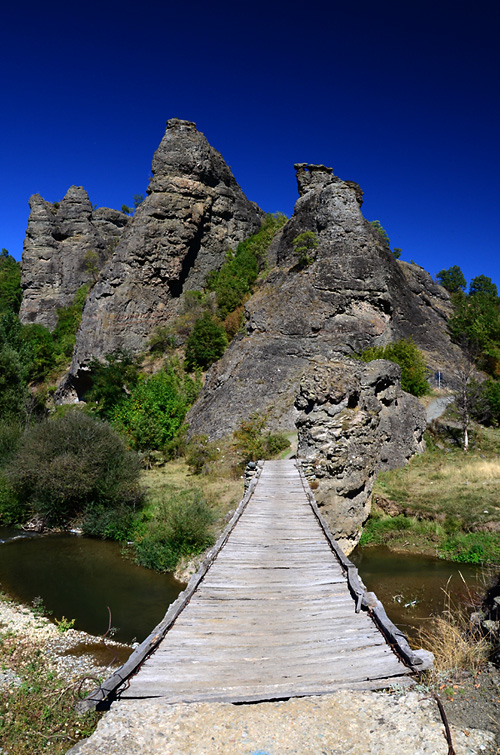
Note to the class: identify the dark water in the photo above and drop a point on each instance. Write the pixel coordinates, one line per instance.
(79, 577)
(412, 587)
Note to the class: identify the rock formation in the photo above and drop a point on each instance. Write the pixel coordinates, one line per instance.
(193, 213)
(354, 295)
(56, 262)
(354, 420)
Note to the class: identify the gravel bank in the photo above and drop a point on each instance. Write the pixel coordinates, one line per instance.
(344, 723)
(72, 654)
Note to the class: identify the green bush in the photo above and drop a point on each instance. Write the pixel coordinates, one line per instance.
(112, 382)
(305, 245)
(10, 283)
(13, 390)
(200, 454)
(233, 283)
(410, 359)
(472, 548)
(253, 442)
(154, 413)
(69, 463)
(68, 322)
(180, 527)
(206, 344)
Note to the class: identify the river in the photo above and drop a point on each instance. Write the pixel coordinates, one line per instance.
(80, 577)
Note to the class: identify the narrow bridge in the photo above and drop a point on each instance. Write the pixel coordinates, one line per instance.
(274, 612)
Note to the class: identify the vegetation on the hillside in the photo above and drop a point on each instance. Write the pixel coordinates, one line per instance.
(410, 359)
(253, 440)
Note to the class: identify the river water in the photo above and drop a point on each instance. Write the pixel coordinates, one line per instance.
(80, 577)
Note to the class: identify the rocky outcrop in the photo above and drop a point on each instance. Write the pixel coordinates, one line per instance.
(354, 295)
(193, 213)
(353, 421)
(66, 245)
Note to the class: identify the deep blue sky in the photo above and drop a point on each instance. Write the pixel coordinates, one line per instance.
(401, 97)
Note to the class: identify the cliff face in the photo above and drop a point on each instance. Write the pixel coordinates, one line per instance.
(353, 420)
(56, 259)
(354, 295)
(194, 212)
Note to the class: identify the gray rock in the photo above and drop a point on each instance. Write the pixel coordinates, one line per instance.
(354, 420)
(58, 238)
(353, 296)
(193, 213)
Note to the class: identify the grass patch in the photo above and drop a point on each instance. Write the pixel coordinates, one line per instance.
(449, 482)
(37, 709)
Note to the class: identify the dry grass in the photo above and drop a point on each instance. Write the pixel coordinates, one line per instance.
(456, 642)
(450, 484)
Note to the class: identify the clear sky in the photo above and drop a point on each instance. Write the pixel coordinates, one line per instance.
(402, 97)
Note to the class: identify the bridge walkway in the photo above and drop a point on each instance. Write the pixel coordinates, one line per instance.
(273, 616)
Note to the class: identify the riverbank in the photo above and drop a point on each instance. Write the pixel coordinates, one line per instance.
(444, 502)
(43, 671)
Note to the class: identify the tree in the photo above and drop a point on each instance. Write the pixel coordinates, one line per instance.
(377, 226)
(91, 262)
(410, 359)
(10, 283)
(305, 245)
(396, 252)
(138, 199)
(452, 280)
(481, 284)
(206, 344)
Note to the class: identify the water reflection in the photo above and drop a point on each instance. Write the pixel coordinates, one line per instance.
(412, 587)
(79, 577)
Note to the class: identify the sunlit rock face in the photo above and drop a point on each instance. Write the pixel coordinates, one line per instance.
(352, 295)
(354, 420)
(193, 213)
(66, 245)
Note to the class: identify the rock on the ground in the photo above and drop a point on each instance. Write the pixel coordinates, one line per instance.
(354, 295)
(354, 420)
(344, 723)
(66, 245)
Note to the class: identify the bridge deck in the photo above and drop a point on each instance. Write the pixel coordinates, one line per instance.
(273, 617)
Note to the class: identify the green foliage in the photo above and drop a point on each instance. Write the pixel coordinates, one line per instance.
(138, 199)
(410, 359)
(452, 279)
(180, 527)
(233, 283)
(112, 382)
(397, 252)
(39, 351)
(63, 624)
(305, 245)
(10, 283)
(68, 322)
(67, 464)
(483, 285)
(154, 412)
(253, 442)
(200, 454)
(377, 226)
(126, 209)
(13, 391)
(162, 340)
(475, 325)
(38, 715)
(472, 548)
(206, 344)
(91, 263)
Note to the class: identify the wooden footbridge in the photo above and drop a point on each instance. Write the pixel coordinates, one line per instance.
(276, 611)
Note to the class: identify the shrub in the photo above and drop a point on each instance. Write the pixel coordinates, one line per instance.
(10, 283)
(154, 412)
(162, 340)
(253, 442)
(305, 245)
(377, 226)
(68, 322)
(13, 391)
(206, 344)
(112, 382)
(180, 527)
(200, 454)
(410, 359)
(69, 463)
